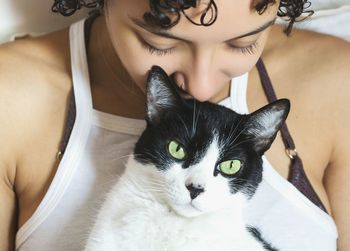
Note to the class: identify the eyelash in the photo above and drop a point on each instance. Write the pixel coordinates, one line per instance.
(250, 49)
(152, 49)
(162, 52)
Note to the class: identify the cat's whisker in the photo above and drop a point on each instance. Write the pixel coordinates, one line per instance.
(183, 122)
(158, 180)
(129, 182)
(232, 132)
(238, 134)
(235, 134)
(243, 141)
(154, 181)
(156, 184)
(249, 187)
(126, 156)
(197, 118)
(193, 117)
(151, 185)
(156, 192)
(246, 186)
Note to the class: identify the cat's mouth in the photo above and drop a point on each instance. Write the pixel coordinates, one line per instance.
(196, 207)
(187, 210)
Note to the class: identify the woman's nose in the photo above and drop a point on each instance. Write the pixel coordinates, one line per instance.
(199, 84)
(200, 75)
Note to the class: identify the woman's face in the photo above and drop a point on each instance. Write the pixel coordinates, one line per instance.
(201, 59)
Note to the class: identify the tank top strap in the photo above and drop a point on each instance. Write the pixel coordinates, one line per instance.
(78, 43)
(238, 93)
(79, 114)
(297, 175)
(80, 72)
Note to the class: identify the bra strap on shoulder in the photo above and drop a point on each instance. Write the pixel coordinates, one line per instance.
(297, 175)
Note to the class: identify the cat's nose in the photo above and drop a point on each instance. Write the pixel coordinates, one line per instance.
(194, 190)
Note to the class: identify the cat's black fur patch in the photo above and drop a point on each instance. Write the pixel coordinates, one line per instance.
(256, 233)
(195, 124)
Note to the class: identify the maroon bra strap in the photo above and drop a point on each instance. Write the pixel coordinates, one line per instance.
(69, 125)
(297, 175)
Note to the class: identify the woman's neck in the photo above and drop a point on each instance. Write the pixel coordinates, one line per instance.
(113, 90)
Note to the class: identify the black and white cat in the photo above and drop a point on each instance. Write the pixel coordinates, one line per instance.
(193, 172)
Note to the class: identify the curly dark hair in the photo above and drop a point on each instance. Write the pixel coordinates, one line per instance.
(166, 13)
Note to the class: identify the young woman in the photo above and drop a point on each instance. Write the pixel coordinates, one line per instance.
(59, 152)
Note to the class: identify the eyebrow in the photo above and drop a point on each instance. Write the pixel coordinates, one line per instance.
(164, 33)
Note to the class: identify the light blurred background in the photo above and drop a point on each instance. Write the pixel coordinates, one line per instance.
(32, 16)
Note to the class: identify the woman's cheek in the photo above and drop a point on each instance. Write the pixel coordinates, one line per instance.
(240, 65)
(137, 60)
(132, 56)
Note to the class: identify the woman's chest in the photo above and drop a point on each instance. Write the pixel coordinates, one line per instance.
(306, 124)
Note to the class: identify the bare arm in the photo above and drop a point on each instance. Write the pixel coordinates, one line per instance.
(34, 91)
(337, 182)
(8, 215)
(337, 176)
(8, 204)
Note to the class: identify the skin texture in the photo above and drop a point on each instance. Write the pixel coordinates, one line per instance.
(309, 69)
(203, 60)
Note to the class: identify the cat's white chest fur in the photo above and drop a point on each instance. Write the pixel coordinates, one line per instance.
(194, 169)
(132, 220)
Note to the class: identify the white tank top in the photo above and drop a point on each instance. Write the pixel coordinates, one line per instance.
(97, 151)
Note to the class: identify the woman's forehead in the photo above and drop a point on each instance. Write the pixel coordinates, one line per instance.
(234, 19)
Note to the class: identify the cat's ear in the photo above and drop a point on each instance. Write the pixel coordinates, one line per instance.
(161, 94)
(264, 123)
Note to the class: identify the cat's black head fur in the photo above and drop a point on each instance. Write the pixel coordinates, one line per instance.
(196, 124)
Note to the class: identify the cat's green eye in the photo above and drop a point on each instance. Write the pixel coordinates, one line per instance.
(176, 150)
(230, 167)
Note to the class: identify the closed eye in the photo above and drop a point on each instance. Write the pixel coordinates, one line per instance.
(250, 49)
(154, 50)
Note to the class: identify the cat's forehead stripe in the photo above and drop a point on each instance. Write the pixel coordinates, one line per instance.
(212, 153)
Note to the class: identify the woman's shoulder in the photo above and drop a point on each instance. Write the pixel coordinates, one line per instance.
(49, 54)
(34, 86)
(323, 64)
(312, 70)
(312, 63)
(36, 62)
(306, 52)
